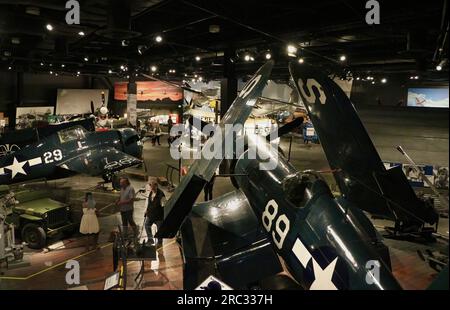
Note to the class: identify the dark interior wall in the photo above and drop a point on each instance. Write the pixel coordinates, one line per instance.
(422, 132)
(41, 90)
(389, 94)
(38, 89)
(7, 90)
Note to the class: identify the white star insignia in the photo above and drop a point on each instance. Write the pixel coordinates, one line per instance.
(16, 168)
(323, 276)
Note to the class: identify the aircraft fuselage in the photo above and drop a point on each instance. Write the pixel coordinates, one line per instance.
(325, 241)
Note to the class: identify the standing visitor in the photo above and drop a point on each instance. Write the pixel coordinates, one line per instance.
(89, 223)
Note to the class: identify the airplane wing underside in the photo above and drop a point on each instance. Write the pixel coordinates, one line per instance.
(224, 238)
(100, 161)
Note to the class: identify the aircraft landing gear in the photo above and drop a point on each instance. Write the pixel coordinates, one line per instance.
(416, 233)
(114, 179)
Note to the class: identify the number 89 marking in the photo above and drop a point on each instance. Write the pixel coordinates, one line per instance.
(282, 224)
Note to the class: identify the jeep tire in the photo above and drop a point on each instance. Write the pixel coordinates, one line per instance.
(34, 236)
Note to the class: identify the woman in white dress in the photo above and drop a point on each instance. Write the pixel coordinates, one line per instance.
(89, 223)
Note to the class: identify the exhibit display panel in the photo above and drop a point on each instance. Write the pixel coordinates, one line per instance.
(153, 91)
(436, 97)
(78, 101)
(27, 116)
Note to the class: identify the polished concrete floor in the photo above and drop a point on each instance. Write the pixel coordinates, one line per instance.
(47, 269)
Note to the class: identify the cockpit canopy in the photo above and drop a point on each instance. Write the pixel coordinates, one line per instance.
(294, 187)
(72, 134)
(298, 187)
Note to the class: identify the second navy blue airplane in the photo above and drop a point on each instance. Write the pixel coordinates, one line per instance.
(73, 150)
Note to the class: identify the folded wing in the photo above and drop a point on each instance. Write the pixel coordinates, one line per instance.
(224, 238)
(202, 170)
(100, 161)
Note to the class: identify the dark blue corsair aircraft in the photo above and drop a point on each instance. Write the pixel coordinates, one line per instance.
(73, 150)
(324, 241)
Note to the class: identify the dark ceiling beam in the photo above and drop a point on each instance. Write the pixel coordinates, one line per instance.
(165, 31)
(261, 32)
(158, 4)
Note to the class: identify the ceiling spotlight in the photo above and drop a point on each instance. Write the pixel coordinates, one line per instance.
(153, 68)
(291, 50)
(158, 39)
(42, 63)
(78, 72)
(86, 58)
(358, 78)
(49, 27)
(200, 79)
(268, 56)
(301, 60)
(125, 43)
(56, 74)
(81, 33)
(63, 65)
(384, 80)
(439, 67)
(51, 65)
(9, 68)
(373, 82)
(110, 71)
(252, 59)
(51, 72)
(142, 49)
(343, 58)
(198, 58)
(247, 57)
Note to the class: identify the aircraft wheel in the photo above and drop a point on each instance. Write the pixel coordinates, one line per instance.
(34, 236)
(115, 181)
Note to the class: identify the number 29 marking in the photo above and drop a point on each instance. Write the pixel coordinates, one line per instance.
(50, 157)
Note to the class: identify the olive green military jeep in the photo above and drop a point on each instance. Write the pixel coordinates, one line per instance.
(37, 217)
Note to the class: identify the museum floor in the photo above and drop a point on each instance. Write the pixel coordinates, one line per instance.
(47, 268)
